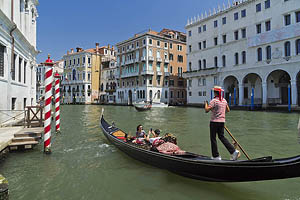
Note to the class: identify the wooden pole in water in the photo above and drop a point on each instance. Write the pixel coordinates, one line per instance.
(48, 94)
(57, 102)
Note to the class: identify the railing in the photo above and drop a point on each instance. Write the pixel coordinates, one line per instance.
(34, 116)
(11, 117)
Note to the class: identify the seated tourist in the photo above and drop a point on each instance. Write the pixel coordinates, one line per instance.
(140, 135)
(155, 137)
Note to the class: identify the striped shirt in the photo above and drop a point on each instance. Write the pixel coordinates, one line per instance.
(218, 109)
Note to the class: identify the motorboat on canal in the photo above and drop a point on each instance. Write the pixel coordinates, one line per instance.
(203, 167)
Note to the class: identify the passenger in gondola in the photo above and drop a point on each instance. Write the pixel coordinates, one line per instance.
(140, 135)
(155, 135)
(218, 107)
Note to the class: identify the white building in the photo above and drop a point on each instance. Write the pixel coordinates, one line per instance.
(252, 45)
(17, 54)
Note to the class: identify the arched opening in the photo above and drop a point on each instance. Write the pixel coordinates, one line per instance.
(231, 84)
(277, 87)
(252, 81)
(130, 97)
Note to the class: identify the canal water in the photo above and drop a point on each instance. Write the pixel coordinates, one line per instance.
(84, 165)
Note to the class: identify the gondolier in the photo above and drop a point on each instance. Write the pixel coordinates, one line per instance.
(218, 107)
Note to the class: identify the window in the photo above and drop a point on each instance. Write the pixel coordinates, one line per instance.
(199, 45)
(199, 81)
(150, 41)
(171, 69)
(171, 56)
(297, 16)
(267, 4)
(150, 80)
(236, 16)
(216, 41)
(200, 94)
(258, 7)
(224, 61)
(204, 64)
(258, 28)
(199, 29)
(287, 20)
(83, 60)
(89, 60)
(13, 103)
(180, 58)
(144, 42)
(2, 48)
(216, 61)
(190, 48)
(244, 57)
(166, 94)
(215, 23)
(204, 81)
(158, 43)
(171, 83)
(179, 47)
(204, 44)
(190, 33)
(236, 58)
(204, 28)
(236, 35)
(25, 65)
(20, 69)
(259, 54)
(269, 52)
(268, 25)
(190, 83)
(243, 13)
(224, 39)
(166, 45)
(298, 47)
(171, 45)
(244, 34)
(224, 20)
(190, 66)
(199, 65)
(287, 49)
(215, 80)
(13, 70)
(190, 94)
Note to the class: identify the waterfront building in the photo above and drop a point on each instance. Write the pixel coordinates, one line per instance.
(249, 48)
(58, 67)
(108, 80)
(150, 67)
(82, 74)
(18, 54)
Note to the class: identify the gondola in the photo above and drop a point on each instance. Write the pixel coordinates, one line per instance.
(142, 106)
(203, 167)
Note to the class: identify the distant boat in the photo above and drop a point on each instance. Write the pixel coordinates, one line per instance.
(159, 105)
(142, 105)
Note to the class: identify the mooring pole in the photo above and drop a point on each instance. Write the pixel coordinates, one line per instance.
(48, 94)
(234, 96)
(57, 102)
(252, 99)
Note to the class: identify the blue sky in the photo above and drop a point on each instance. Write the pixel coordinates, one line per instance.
(65, 24)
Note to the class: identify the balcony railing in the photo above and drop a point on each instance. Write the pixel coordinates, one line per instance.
(167, 73)
(158, 73)
(167, 60)
(158, 59)
(133, 74)
(151, 58)
(147, 72)
(143, 58)
(129, 62)
(137, 60)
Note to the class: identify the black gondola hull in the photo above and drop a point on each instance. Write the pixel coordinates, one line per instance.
(203, 168)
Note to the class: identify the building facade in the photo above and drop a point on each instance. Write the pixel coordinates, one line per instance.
(18, 54)
(150, 67)
(251, 49)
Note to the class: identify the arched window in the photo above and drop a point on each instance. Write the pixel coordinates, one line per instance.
(298, 47)
(204, 64)
(224, 61)
(158, 94)
(259, 54)
(138, 94)
(143, 94)
(150, 94)
(236, 58)
(199, 64)
(166, 94)
(74, 74)
(244, 57)
(268, 53)
(287, 49)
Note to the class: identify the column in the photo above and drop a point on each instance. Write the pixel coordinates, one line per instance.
(264, 94)
(241, 94)
(294, 92)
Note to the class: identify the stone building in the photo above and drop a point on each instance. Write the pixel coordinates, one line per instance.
(18, 54)
(150, 67)
(249, 48)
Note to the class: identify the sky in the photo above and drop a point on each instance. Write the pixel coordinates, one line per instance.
(66, 24)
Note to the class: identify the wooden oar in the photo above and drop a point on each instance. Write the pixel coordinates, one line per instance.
(237, 143)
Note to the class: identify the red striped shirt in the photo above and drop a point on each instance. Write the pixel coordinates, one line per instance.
(218, 109)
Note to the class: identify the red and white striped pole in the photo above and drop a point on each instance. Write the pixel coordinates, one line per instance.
(48, 94)
(57, 102)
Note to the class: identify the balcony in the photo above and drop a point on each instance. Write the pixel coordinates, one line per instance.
(202, 72)
(167, 73)
(147, 72)
(167, 61)
(158, 59)
(151, 58)
(137, 60)
(129, 62)
(158, 73)
(110, 90)
(143, 58)
(133, 74)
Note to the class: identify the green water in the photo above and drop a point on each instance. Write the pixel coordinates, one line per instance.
(84, 165)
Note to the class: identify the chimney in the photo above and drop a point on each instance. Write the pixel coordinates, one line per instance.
(72, 51)
(78, 49)
(97, 47)
(68, 52)
(108, 46)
